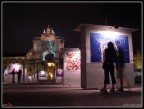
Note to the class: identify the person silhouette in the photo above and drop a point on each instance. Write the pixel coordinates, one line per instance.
(19, 75)
(108, 66)
(13, 75)
(120, 65)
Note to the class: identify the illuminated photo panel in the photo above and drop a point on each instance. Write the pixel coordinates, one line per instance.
(98, 43)
(72, 61)
(59, 72)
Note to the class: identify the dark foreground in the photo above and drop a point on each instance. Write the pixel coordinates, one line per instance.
(62, 96)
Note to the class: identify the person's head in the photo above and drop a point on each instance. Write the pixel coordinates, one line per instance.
(110, 45)
(117, 42)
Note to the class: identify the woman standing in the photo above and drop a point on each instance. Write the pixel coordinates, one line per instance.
(108, 66)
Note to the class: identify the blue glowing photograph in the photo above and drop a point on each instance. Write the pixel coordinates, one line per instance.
(98, 43)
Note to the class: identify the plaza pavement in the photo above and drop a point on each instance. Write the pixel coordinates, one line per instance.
(59, 96)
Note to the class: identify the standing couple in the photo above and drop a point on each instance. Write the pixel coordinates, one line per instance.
(111, 55)
(18, 75)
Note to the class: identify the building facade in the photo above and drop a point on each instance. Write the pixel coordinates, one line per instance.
(42, 62)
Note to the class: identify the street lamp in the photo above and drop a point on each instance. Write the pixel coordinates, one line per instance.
(115, 26)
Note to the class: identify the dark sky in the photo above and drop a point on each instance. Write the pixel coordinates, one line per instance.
(22, 22)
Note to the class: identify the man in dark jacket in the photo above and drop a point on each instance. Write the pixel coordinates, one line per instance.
(13, 75)
(120, 65)
(19, 75)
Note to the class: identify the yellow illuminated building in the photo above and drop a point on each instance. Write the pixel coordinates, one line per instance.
(138, 61)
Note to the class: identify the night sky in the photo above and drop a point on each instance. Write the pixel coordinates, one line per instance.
(22, 22)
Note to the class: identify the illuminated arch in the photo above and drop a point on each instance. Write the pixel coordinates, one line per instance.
(46, 52)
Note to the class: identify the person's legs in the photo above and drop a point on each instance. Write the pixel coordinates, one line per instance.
(112, 77)
(13, 77)
(120, 79)
(18, 78)
(106, 80)
(121, 82)
(106, 77)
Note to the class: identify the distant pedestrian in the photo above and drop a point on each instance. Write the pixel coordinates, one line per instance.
(19, 75)
(108, 66)
(120, 65)
(13, 75)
